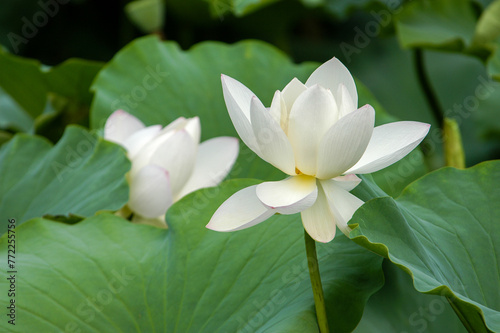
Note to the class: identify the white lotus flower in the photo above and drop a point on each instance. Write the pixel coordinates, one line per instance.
(168, 163)
(315, 133)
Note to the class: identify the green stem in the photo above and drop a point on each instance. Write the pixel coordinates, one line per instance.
(425, 84)
(319, 299)
(453, 150)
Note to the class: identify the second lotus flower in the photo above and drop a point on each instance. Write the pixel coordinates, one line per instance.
(315, 133)
(168, 163)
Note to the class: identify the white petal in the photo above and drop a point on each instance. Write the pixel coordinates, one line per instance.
(150, 194)
(177, 124)
(330, 75)
(140, 138)
(214, 160)
(238, 98)
(291, 92)
(390, 143)
(318, 220)
(143, 156)
(347, 182)
(242, 210)
(312, 114)
(278, 108)
(121, 125)
(177, 155)
(345, 142)
(342, 204)
(193, 127)
(289, 196)
(344, 101)
(273, 142)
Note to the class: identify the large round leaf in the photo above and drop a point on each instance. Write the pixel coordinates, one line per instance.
(80, 175)
(14, 117)
(398, 307)
(158, 82)
(108, 275)
(444, 231)
(72, 79)
(442, 24)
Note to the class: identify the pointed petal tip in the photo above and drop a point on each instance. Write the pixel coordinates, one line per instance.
(211, 227)
(367, 106)
(214, 227)
(118, 112)
(120, 125)
(226, 79)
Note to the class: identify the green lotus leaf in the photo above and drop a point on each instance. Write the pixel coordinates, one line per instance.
(443, 231)
(440, 24)
(81, 175)
(106, 274)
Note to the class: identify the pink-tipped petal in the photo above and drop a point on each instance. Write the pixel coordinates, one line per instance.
(242, 210)
(289, 196)
(342, 204)
(214, 160)
(345, 142)
(273, 142)
(238, 98)
(312, 114)
(150, 194)
(330, 75)
(318, 220)
(120, 126)
(390, 143)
